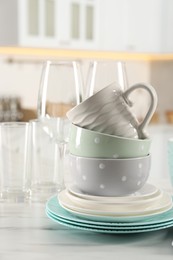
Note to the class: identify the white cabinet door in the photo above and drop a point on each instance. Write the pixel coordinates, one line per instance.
(144, 25)
(28, 23)
(50, 23)
(37, 23)
(167, 27)
(83, 23)
(112, 25)
(131, 25)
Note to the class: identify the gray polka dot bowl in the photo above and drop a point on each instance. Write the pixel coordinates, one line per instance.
(89, 143)
(109, 177)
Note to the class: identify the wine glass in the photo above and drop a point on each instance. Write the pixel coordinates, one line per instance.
(61, 88)
(102, 73)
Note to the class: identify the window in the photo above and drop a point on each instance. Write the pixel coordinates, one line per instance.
(82, 20)
(49, 17)
(89, 22)
(33, 17)
(75, 21)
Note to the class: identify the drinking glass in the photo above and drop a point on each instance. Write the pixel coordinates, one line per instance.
(14, 180)
(102, 73)
(61, 88)
(43, 163)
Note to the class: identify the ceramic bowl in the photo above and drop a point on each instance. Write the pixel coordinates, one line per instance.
(109, 177)
(88, 143)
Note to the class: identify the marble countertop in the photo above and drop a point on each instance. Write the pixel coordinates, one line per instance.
(27, 233)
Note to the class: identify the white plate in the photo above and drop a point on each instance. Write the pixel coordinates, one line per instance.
(53, 207)
(145, 201)
(147, 191)
(161, 205)
(111, 218)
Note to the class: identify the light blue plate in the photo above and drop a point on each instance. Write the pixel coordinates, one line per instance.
(107, 226)
(53, 207)
(108, 230)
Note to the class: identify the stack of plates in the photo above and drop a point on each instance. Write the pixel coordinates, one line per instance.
(146, 210)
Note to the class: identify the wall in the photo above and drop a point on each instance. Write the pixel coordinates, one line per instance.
(21, 77)
(161, 76)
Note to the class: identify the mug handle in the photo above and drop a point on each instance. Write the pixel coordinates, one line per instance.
(152, 107)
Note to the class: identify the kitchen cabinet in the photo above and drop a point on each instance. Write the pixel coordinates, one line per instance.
(149, 26)
(144, 25)
(81, 24)
(114, 25)
(134, 25)
(167, 33)
(24, 22)
(48, 23)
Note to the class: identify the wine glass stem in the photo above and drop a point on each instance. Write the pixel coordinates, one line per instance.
(62, 150)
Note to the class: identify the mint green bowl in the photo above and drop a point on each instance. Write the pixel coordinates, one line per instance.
(89, 143)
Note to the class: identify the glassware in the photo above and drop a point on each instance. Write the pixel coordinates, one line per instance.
(61, 88)
(14, 180)
(43, 162)
(102, 73)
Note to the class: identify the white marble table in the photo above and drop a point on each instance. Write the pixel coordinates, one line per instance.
(27, 233)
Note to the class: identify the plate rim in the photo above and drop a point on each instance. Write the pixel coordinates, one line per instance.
(104, 226)
(110, 231)
(67, 203)
(90, 197)
(140, 220)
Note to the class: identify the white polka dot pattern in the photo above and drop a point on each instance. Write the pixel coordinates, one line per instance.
(97, 140)
(86, 143)
(112, 177)
(140, 165)
(84, 177)
(102, 166)
(115, 155)
(124, 178)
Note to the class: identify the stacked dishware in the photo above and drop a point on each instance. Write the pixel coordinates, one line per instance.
(109, 165)
(109, 150)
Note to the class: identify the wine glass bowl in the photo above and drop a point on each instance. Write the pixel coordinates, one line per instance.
(102, 73)
(60, 88)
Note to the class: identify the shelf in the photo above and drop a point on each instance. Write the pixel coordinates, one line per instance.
(41, 53)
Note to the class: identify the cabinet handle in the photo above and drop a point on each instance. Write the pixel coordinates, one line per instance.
(131, 47)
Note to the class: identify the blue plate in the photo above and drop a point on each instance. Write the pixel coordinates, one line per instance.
(56, 212)
(108, 230)
(107, 226)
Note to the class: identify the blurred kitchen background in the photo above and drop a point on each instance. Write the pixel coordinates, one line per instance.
(138, 32)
